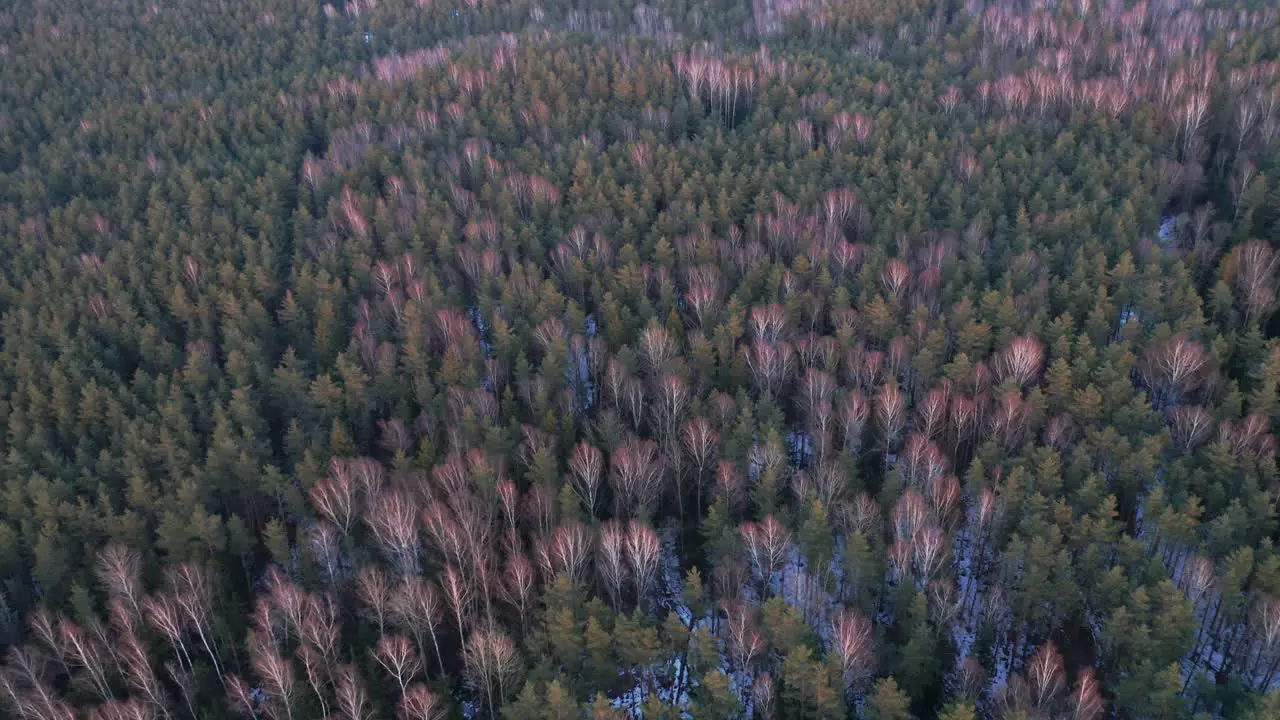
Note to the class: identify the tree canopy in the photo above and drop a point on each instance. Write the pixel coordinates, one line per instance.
(805, 359)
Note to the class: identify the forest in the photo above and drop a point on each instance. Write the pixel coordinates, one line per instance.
(598, 359)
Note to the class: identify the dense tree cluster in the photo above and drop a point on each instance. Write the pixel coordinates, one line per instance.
(799, 359)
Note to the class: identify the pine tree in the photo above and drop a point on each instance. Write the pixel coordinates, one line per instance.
(887, 702)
